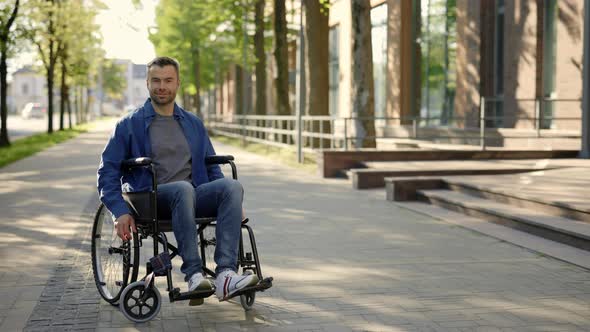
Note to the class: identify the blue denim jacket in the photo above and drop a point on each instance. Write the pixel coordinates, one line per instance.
(131, 139)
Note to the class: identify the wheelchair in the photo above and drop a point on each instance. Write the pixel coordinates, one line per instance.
(116, 263)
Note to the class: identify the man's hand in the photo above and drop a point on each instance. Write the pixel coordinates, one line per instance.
(123, 224)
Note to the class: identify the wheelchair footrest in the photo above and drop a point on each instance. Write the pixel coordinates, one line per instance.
(176, 295)
(261, 286)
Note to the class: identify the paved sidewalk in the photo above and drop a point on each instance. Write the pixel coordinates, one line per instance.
(342, 260)
(42, 199)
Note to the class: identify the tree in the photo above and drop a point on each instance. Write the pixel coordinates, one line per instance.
(7, 17)
(260, 58)
(317, 70)
(80, 55)
(281, 54)
(187, 31)
(113, 80)
(363, 97)
(44, 33)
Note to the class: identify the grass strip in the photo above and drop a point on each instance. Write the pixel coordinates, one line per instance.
(284, 155)
(30, 145)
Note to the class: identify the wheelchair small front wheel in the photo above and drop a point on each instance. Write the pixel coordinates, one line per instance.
(247, 300)
(139, 302)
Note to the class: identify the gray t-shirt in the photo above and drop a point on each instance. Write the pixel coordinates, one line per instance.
(170, 150)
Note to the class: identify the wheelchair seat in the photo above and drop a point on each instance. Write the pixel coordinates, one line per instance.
(142, 212)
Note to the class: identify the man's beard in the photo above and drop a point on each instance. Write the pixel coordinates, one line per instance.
(161, 102)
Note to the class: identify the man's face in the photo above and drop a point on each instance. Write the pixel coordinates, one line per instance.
(162, 84)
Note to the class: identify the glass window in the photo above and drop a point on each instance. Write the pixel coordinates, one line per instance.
(495, 110)
(379, 44)
(334, 69)
(25, 89)
(549, 61)
(438, 43)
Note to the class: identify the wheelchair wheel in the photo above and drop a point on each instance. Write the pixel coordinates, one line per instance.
(140, 303)
(247, 300)
(114, 262)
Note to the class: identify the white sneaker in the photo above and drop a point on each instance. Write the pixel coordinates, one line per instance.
(198, 281)
(228, 282)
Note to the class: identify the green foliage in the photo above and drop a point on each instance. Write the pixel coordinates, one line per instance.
(8, 39)
(113, 79)
(214, 28)
(82, 42)
(439, 40)
(65, 29)
(437, 37)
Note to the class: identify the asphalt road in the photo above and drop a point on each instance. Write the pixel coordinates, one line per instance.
(19, 127)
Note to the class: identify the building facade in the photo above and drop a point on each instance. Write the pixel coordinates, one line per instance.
(136, 92)
(445, 69)
(28, 86)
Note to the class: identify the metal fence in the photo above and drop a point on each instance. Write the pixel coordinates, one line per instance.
(312, 133)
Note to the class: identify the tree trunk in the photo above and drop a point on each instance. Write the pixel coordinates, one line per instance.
(87, 105)
(239, 90)
(4, 140)
(281, 54)
(185, 101)
(260, 59)
(79, 103)
(221, 97)
(69, 105)
(197, 68)
(51, 71)
(317, 71)
(363, 98)
(62, 101)
(50, 81)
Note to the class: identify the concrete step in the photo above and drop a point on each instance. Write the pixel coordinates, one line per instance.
(544, 203)
(564, 230)
(368, 178)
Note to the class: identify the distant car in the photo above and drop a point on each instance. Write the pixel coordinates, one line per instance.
(33, 110)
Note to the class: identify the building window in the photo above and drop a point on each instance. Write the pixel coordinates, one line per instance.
(334, 69)
(495, 110)
(549, 62)
(438, 44)
(25, 89)
(379, 42)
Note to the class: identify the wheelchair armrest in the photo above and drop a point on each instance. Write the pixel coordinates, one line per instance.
(211, 160)
(136, 162)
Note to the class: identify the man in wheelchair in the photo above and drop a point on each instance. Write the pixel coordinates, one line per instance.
(177, 142)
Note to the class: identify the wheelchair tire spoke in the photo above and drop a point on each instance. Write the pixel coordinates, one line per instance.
(112, 258)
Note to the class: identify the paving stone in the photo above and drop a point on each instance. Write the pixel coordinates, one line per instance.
(343, 260)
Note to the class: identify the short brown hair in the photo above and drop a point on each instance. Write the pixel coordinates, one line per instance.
(162, 61)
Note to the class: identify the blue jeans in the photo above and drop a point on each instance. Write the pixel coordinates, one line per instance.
(221, 198)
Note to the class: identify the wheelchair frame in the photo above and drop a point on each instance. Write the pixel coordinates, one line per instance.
(149, 225)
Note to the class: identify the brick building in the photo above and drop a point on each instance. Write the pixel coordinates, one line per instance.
(436, 60)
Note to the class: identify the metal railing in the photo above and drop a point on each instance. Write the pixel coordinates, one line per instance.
(320, 132)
